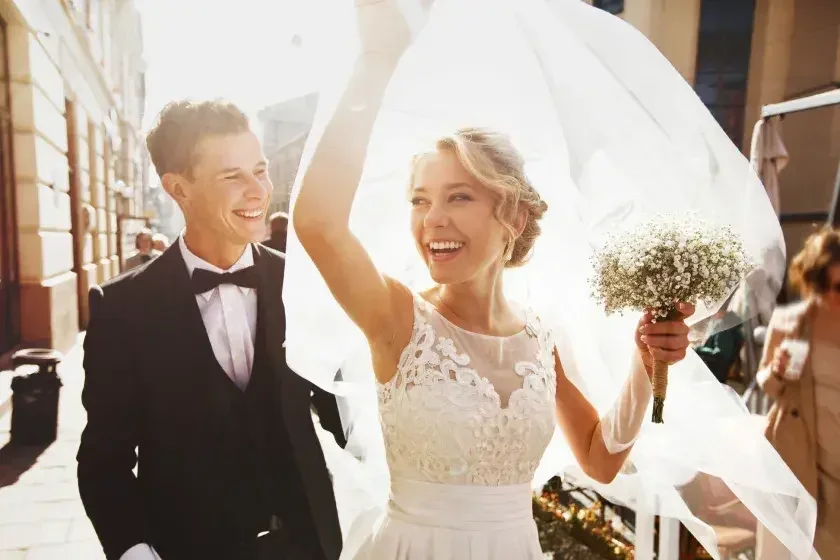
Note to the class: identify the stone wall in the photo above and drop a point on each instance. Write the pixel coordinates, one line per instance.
(71, 140)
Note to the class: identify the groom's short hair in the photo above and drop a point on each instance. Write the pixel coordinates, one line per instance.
(180, 127)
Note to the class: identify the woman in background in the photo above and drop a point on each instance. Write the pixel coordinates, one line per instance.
(800, 371)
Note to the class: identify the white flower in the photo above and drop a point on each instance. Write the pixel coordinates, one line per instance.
(665, 261)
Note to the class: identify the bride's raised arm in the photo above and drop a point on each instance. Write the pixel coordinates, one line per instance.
(322, 210)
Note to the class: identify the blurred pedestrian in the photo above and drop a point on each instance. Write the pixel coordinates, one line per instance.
(800, 371)
(144, 244)
(160, 242)
(279, 225)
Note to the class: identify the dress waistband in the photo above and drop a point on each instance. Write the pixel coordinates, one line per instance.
(460, 507)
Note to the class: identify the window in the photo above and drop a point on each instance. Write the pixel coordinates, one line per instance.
(612, 6)
(723, 59)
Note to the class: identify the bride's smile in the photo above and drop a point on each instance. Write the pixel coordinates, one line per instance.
(464, 227)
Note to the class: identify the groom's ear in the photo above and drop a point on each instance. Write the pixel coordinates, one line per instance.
(174, 185)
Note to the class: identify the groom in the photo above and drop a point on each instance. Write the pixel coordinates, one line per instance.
(186, 376)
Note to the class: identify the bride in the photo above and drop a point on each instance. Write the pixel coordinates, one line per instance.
(470, 384)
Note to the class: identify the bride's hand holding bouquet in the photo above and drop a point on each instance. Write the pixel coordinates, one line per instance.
(662, 268)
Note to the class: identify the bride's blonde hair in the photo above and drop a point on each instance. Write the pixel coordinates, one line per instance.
(492, 159)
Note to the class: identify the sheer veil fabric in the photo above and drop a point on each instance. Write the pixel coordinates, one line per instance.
(613, 135)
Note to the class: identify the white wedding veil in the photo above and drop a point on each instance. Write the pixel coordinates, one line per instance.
(612, 135)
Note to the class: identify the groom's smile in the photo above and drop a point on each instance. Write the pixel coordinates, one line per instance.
(251, 214)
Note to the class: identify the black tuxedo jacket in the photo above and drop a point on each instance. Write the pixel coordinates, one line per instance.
(149, 404)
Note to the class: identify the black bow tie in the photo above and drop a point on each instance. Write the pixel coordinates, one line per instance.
(205, 280)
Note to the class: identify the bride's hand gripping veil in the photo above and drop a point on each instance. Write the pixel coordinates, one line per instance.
(611, 135)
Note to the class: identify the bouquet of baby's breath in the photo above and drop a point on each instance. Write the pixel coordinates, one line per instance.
(663, 262)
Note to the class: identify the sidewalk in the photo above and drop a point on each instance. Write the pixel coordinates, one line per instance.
(41, 514)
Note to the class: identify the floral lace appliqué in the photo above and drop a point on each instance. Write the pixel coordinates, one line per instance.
(444, 422)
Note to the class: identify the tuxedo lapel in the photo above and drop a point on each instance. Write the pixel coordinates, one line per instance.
(293, 395)
(182, 368)
(270, 309)
(191, 364)
(180, 307)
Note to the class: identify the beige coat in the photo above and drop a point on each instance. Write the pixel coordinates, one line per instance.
(136, 260)
(791, 422)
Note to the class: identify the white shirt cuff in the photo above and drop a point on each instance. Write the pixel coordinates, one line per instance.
(140, 551)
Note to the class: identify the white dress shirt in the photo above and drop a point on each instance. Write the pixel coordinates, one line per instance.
(229, 313)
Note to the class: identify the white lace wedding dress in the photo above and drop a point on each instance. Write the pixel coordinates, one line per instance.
(466, 420)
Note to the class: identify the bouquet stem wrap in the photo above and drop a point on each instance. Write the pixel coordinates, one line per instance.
(660, 387)
(660, 381)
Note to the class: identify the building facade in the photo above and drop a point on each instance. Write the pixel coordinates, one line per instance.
(285, 127)
(743, 54)
(164, 215)
(73, 162)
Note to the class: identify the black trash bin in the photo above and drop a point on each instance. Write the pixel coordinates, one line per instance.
(35, 397)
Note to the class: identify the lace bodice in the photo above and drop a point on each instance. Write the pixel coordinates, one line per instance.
(466, 408)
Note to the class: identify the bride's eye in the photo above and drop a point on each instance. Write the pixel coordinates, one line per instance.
(416, 201)
(460, 198)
